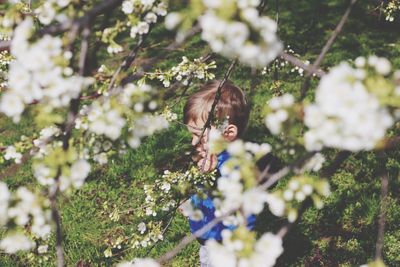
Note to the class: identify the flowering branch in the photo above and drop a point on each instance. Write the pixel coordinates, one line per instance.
(74, 108)
(188, 239)
(263, 186)
(5, 45)
(216, 100)
(297, 62)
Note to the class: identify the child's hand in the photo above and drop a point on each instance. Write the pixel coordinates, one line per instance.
(207, 164)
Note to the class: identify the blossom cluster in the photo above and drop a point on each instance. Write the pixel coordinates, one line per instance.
(391, 9)
(13, 14)
(185, 71)
(240, 248)
(171, 184)
(234, 29)
(161, 201)
(239, 178)
(15, 151)
(25, 210)
(11, 153)
(241, 33)
(140, 15)
(168, 114)
(280, 64)
(130, 110)
(149, 9)
(350, 110)
(49, 11)
(314, 164)
(280, 111)
(287, 201)
(44, 142)
(70, 169)
(40, 72)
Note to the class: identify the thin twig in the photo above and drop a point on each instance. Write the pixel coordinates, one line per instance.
(126, 63)
(268, 180)
(325, 49)
(337, 162)
(217, 97)
(216, 100)
(176, 85)
(188, 239)
(5, 45)
(297, 62)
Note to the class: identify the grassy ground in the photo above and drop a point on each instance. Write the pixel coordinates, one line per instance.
(343, 233)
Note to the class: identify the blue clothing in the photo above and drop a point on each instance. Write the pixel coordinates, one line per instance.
(208, 209)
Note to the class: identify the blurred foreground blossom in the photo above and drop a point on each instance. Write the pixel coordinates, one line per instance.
(239, 248)
(147, 262)
(345, 114)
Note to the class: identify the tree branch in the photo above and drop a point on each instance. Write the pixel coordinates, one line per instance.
(5, 45)
(325, 49)
(216, 100)
(297, 62)
(126, 63)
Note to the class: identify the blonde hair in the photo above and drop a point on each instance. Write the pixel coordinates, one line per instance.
(231, 105)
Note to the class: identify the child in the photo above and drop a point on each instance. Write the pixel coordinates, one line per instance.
(232, 106)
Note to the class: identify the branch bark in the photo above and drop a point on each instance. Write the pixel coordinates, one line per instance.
(325, 49)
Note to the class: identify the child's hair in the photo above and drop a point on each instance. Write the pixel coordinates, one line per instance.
(232, 104)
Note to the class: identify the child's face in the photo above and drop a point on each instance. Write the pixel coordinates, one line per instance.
(205, 161)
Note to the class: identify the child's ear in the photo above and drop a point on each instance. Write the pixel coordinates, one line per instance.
(231, 132)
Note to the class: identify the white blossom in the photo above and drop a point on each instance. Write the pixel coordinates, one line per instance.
(79, 171)
(11, 153)
(63, 3)
(146, 126)
(253, 201)
(103, 119)
(172, 20)
(150, 18)
(4, 199)
(142, 227)
(188, 210)
(228, 254)
(12, 105)
(46, 13)
(43, 249)
(345, 115)
(34, 74)
(231, 38)
(16, 242)
(279, 114)
(276, 205)
(127, 7)
(315, 162)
